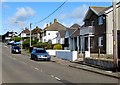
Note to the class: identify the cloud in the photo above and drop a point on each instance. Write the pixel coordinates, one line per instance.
(76, 16)
(22, 14)
(78, 12)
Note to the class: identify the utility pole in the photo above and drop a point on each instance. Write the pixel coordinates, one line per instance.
(30, 33)
(115, 46)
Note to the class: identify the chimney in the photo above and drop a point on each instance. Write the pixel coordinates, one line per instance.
(36, 26)
(50, 23)
(46, 25)
(55, 20)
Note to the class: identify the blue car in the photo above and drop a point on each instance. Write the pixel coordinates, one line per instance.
(40, 54)
(16, 49)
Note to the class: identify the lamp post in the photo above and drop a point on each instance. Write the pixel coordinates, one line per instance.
(30, 33)
(115, 46)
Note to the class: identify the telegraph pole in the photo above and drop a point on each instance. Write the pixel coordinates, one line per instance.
(30, 33)
(115, 46)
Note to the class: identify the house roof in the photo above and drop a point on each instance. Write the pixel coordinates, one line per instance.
(36, 30)
(55, 27)
(62, 33)
(97, 10)
(75, 26)
(70, 31)
(75, 33)
(26, 31)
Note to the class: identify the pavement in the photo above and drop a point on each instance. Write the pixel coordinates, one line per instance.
(82, 66)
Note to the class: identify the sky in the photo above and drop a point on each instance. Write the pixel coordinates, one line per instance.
(15, 16)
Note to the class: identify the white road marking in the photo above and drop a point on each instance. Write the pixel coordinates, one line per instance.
(57, 78)
(36, 68)
(51, 75)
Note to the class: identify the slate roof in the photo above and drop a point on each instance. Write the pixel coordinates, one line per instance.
(62, 33)
(36, 30)
(75, 26)
(26, 31)
(98, 9)
(70, 31)
(75, 33)
(55, 27)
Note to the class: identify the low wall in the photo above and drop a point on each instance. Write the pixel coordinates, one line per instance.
(53, 52)
(104, 64)
(72, 56)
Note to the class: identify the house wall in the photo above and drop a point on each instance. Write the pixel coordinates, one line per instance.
(62, 40)
(109, 33)
(119, 17)
(109, 29)
(23, 35)
(52, 36)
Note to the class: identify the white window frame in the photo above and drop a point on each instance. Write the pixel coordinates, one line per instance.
(100, 20)
(100, 39)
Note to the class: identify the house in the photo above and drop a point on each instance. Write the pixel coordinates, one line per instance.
(61, 37)
(50, 32)
(70, 37)
(36, 34)
(97, 31)
(25, 33)
(10, 35)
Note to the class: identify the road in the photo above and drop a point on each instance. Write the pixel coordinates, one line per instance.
(17, 68)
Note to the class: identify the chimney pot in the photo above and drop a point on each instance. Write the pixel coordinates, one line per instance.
(55, 20)
(50, 23)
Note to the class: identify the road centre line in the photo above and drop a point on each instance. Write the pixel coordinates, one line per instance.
(57, 78)
(36, 68)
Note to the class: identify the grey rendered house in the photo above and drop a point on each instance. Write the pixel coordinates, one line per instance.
(72, 37)
(97, 31)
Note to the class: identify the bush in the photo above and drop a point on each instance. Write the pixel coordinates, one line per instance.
(17, 39)
(26, 44)
(58, 47)
(44, 45)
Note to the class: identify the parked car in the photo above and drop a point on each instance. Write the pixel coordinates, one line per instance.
(16, 49)
(40, 54)
(10, 42)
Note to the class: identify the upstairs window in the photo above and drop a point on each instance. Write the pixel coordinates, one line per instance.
(92, 23)
(100, 20)
(100, 41)
(48, 33)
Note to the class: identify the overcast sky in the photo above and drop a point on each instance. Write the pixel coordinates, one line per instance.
(17, 15)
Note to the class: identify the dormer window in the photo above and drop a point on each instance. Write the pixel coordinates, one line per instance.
(100, 20)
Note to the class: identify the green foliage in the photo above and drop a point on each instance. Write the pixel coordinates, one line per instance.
(44, 45)
(17, 39)
(58, 47)
(26, 44)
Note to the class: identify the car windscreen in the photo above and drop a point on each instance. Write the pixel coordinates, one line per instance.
(41, 51)
(16, 47)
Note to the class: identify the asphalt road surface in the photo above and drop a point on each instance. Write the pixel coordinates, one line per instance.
(17, 68)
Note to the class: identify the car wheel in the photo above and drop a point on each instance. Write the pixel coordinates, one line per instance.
(36, 59)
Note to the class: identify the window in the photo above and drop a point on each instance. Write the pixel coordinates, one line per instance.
(44, 40)
(100, 41)
(92, 23)
(48, 33)
(100, 20)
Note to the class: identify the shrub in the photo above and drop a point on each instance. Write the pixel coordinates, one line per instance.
(17, 39)
(58, 47)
